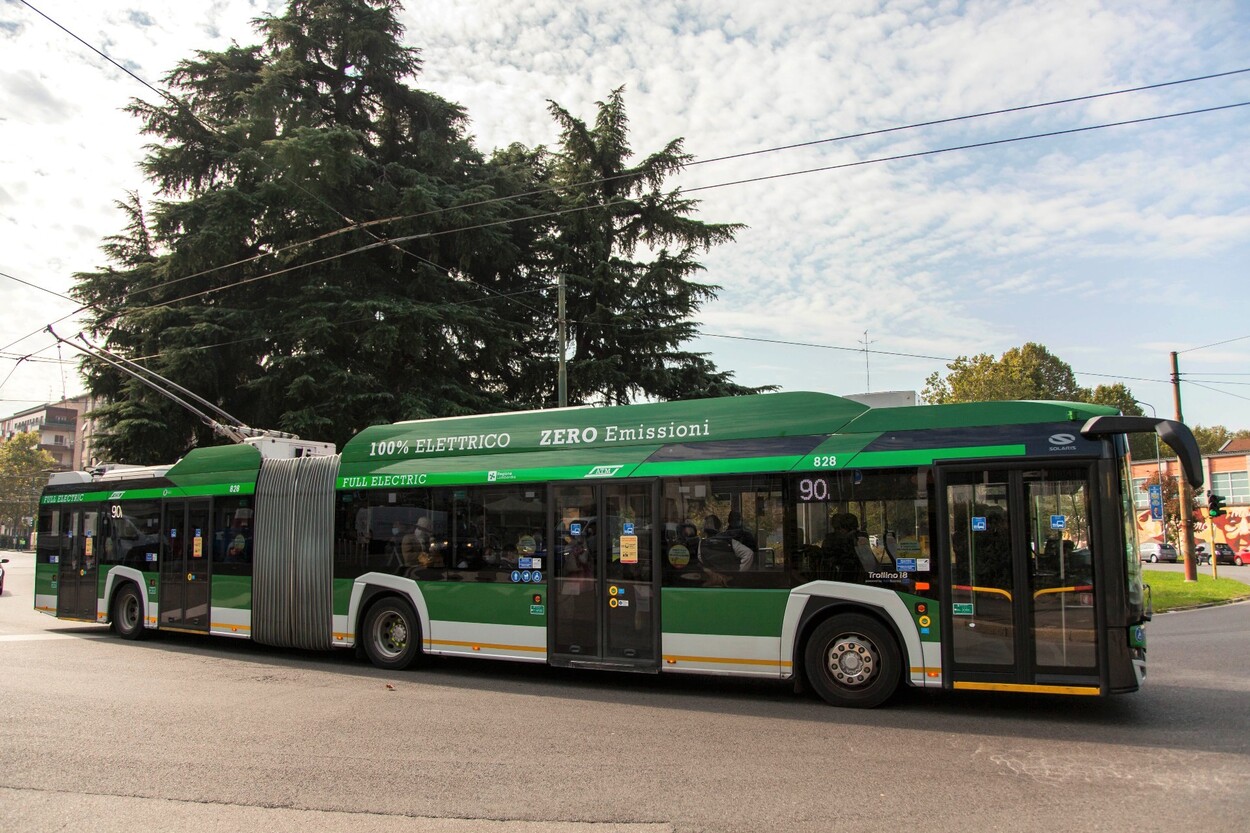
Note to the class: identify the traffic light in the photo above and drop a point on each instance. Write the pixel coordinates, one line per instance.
(1215, 505)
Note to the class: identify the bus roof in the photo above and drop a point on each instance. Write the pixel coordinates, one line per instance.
(766, 432)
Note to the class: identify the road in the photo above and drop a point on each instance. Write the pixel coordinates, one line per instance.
(178, 731)
(1241, 574)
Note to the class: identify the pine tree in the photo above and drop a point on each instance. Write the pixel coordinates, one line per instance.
(628, 251)
(312, 131)
(330, 251)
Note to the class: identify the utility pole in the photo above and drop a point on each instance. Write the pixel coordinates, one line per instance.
(563, 374)
(867, 376)
(1185, 494)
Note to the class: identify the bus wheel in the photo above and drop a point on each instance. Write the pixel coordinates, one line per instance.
(852, 660)
(392, 634)
(128, 612)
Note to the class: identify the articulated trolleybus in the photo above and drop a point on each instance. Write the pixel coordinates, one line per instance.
(794, 536)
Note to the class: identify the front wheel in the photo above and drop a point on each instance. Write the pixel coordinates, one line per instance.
(1154, 559)
(392, 635)
(852, 660)
(1237, 560)
(128, 613)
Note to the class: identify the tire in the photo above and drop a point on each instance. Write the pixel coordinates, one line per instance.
(1154, 559)
(392, 635)
(852, 660)
(1237, 560)
(128, 612)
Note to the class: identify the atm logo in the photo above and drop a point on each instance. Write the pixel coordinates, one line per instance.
(604, 471)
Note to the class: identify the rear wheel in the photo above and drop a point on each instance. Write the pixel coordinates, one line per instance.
(852, 660)
(1237, 560)
(128, 612)
(392, 634)
(1154, 559)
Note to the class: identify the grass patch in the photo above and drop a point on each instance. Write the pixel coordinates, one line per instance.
(1171, 592)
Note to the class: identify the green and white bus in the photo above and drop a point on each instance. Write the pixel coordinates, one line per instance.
(792, 536)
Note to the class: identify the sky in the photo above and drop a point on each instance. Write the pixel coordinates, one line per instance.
(1113, 247)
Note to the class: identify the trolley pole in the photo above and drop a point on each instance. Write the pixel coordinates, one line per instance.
(1185, 495)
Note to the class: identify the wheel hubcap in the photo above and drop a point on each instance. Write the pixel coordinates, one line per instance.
(130, 613)
(392, 634)
(853, 660)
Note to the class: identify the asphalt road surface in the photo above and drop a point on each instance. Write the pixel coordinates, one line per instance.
(180, 732)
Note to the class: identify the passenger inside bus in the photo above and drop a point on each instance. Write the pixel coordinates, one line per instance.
(723, 551)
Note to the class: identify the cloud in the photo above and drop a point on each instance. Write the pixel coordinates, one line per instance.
(23, 94)
(1098, 244)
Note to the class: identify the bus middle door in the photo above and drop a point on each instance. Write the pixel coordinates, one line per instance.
(604, 588)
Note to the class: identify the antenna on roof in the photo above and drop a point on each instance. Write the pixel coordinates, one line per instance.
(228, 426)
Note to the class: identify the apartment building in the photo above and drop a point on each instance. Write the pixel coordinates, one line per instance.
(64, 430)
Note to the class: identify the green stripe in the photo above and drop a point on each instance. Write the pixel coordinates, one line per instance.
(483, 478)
(723, 611)
(168, 492)
(489, 603)
(926, 456)
(233, 592)
(342, 590)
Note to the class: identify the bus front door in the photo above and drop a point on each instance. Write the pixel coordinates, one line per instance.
(184, 595)
(1018, 578)
(77, 573)
(604, 584)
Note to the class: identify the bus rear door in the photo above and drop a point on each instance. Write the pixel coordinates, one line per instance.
(604, 589)
(1018, 578)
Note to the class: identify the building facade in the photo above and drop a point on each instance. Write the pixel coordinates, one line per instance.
(65, 431)
(1226, 473)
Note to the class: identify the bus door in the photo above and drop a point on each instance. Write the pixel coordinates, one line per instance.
(184, 596)
(77, 573)
(1018, 580)
(604, 583)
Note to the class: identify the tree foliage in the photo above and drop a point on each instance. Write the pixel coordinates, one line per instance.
(1027, 372)
(24, 468)
(1033, 372)
(1213, 437)
(273, 279)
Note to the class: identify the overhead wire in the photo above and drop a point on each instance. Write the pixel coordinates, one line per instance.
(827, 140)
(364, 225)
(612, 203)
(1214, 344)
(37, 286)
(1217, 390)
(382, 241)
(177, 102)
(354, 225)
